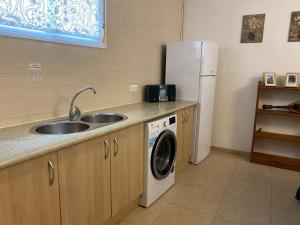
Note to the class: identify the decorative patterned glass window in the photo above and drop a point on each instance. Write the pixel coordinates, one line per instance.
(78, 22)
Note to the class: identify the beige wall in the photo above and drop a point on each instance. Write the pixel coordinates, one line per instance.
(241, 65)
(137, 31)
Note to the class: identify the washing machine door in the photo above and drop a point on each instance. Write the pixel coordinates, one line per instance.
(163, 155)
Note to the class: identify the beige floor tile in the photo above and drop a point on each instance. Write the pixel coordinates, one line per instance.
(220, 160)
(280, 217)
(214, 172)
(218, 221)
(146, 216)
(211, 179)
(285, 176)
(202, 200)
(283, 197)
(250, 171)
(176, 215)
(186, 174)
(250, 189)
(171, 193)
(224, 155)
(244, 210)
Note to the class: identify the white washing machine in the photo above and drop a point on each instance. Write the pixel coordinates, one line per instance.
(160, 154)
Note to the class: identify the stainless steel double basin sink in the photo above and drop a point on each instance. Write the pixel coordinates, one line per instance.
(86, 122)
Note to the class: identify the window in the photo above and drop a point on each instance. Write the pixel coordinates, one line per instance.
(79, 22)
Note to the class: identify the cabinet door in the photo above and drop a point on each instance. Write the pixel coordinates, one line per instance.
(179, 138)
(84, 179)
(29, 193)
(127, 166)
(189, 133)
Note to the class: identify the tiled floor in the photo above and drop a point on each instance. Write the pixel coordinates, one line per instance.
(225, 190)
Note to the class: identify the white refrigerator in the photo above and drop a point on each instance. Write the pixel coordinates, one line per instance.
(192, 66)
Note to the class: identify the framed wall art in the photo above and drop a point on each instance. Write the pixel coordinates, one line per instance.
(253, 28)
(294, 33)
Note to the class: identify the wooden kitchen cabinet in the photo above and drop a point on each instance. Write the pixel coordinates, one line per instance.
(100, 177)
(126, 166)
(185, 136)
(179, 138)
(84, 179)
(29, 193)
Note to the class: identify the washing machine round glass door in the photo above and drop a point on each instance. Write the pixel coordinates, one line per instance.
(163, 154)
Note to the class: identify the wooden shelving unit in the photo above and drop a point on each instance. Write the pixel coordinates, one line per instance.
(283, 137)
(277, 112)
(277, 88)
(270, 159)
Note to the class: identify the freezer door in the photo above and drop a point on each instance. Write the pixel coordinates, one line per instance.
(204, 118)
(183, 68)
(209, 58)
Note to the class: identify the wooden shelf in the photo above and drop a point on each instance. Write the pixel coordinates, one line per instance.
(284, 137)
(271, 159)
(261, 86)
(278, 112)
(276, 161)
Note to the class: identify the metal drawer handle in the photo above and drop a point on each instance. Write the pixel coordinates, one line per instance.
(183, 117)
(187, 115)
(116, 147)
(51, 172)
(106, 152)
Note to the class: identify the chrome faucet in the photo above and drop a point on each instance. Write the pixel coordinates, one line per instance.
(75, 112)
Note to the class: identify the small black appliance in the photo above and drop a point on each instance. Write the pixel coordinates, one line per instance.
(160, 93)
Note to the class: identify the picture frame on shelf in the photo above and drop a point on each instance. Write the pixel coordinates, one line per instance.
(291, 79)
(270, 79)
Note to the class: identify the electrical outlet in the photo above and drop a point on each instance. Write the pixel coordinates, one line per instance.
(37, 77)
(34, 66)
(134, 88)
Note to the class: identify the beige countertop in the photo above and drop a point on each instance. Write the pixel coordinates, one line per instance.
(18, 144)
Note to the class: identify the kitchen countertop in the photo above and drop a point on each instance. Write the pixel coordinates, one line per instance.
(18, 143)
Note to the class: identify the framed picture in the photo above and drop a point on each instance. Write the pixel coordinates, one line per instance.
(291, 80)
(270, 79)
(253, 28)
(294, 33)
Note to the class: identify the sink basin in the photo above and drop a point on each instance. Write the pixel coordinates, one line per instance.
(103, 118)
(66, 127)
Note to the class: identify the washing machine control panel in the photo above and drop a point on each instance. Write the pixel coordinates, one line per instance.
(156, 127)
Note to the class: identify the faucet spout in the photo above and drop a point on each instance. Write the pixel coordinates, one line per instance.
(74, 112)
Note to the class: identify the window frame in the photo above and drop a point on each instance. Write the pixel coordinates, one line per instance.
(22, 33)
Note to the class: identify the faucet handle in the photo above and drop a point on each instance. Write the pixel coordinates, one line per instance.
(76, 114)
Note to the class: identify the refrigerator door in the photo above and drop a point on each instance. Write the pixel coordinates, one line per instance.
(183, 68)
(204, 118)
(209, 59)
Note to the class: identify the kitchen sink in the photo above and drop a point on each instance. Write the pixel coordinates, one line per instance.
(104, 118)
(96, 120)
(65, 127)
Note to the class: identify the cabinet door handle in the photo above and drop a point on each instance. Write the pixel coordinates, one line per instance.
(187, 115)
(116, 147)
(51, 172)
(106, 152)
(183, 117)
